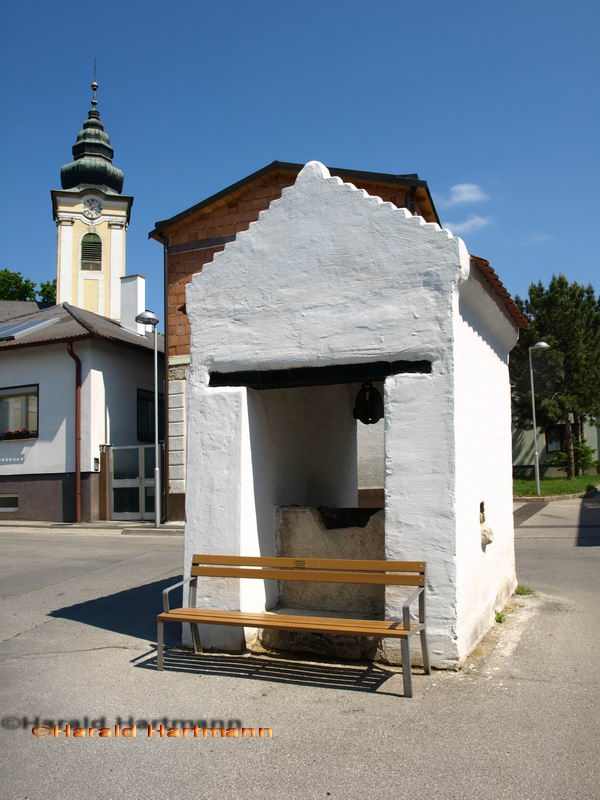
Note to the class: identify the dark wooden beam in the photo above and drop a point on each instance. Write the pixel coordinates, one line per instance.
(318, 376)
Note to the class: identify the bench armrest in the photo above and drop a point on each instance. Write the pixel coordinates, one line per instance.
(407, 604)
(166, 591)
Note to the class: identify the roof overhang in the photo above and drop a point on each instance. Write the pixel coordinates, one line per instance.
(412, 181)
(9, 347)
(491, 278)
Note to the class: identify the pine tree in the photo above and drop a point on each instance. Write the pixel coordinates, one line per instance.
(567, 377)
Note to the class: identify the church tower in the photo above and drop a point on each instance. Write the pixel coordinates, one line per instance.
(92, 216)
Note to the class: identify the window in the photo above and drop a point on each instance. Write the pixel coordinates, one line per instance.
(145, 416)
(554, 438)
(9, 502)
(19, 412)
(91, 252)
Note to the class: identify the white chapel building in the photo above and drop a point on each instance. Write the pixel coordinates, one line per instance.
(330, 293)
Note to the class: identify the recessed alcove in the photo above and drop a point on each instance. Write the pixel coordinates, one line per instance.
(356, 533)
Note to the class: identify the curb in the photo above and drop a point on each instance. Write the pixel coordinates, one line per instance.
(67, 527)
(554, 497)
(152, 532)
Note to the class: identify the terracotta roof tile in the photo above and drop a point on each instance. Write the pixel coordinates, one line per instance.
(498, 288)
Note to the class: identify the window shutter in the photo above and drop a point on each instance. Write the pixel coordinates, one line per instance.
(91, 251)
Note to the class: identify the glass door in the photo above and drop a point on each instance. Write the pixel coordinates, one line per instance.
(132, 482)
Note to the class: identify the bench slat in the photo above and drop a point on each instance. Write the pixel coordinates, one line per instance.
(324, 576)
(380, 628)
(281, 562)
(269, 615)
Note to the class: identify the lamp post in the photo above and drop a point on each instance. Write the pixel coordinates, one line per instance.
(538, 346)
(148, 318)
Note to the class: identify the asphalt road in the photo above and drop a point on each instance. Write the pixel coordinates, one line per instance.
(521, 721)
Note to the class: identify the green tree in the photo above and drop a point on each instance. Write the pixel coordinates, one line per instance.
(567, 377)
(47, 292)
(13, 286)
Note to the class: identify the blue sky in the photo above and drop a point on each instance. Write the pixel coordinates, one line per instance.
(494, 104)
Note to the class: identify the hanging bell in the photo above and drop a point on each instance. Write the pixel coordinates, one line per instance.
(368, 406)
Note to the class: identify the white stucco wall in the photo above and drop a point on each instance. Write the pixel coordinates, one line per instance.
(329, 275)
(64, 261)
(214, 497)
(53, 451)
(420, 498)
(117, 268)
(484, 336)
(110, 374)
(370, 447)
(303, 445)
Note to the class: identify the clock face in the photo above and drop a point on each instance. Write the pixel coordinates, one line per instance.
(92, 208)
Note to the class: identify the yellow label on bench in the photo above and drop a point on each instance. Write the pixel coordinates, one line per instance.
(300, 563)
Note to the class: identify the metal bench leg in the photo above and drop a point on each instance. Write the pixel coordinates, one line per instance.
(196, 637)
(160, 664)
(425, 650)
(406, 674)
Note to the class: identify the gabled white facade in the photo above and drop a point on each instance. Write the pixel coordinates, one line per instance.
(330, 276)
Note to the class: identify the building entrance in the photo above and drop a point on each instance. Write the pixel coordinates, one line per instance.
(132, 482)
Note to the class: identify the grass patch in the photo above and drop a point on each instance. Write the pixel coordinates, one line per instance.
(524, 590)
(525, 487)
(500, 617)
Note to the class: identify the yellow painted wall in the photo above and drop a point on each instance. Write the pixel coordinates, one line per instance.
(91, 294)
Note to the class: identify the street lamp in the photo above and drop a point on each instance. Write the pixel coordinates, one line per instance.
(538, 346)
(148, 318)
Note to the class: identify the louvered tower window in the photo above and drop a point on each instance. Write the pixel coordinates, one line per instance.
(91, 251)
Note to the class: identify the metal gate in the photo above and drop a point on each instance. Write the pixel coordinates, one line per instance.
(132, 482)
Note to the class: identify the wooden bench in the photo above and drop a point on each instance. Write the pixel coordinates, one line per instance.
(332, 570)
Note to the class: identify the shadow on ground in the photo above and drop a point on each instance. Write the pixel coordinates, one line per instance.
(527, 510)
(587, 530)
(588, 534)
(279, 669)
(131, 612)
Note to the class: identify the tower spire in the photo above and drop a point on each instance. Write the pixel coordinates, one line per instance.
(92, 217)
(93, 155)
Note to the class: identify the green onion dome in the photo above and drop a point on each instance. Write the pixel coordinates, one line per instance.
(93, 156)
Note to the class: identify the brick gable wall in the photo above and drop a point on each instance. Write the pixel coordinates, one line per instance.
(231, 216)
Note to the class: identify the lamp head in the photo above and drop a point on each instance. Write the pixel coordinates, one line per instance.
(147, 318)
(540, 346)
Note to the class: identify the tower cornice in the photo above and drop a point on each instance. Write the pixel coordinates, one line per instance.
(74, 196)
